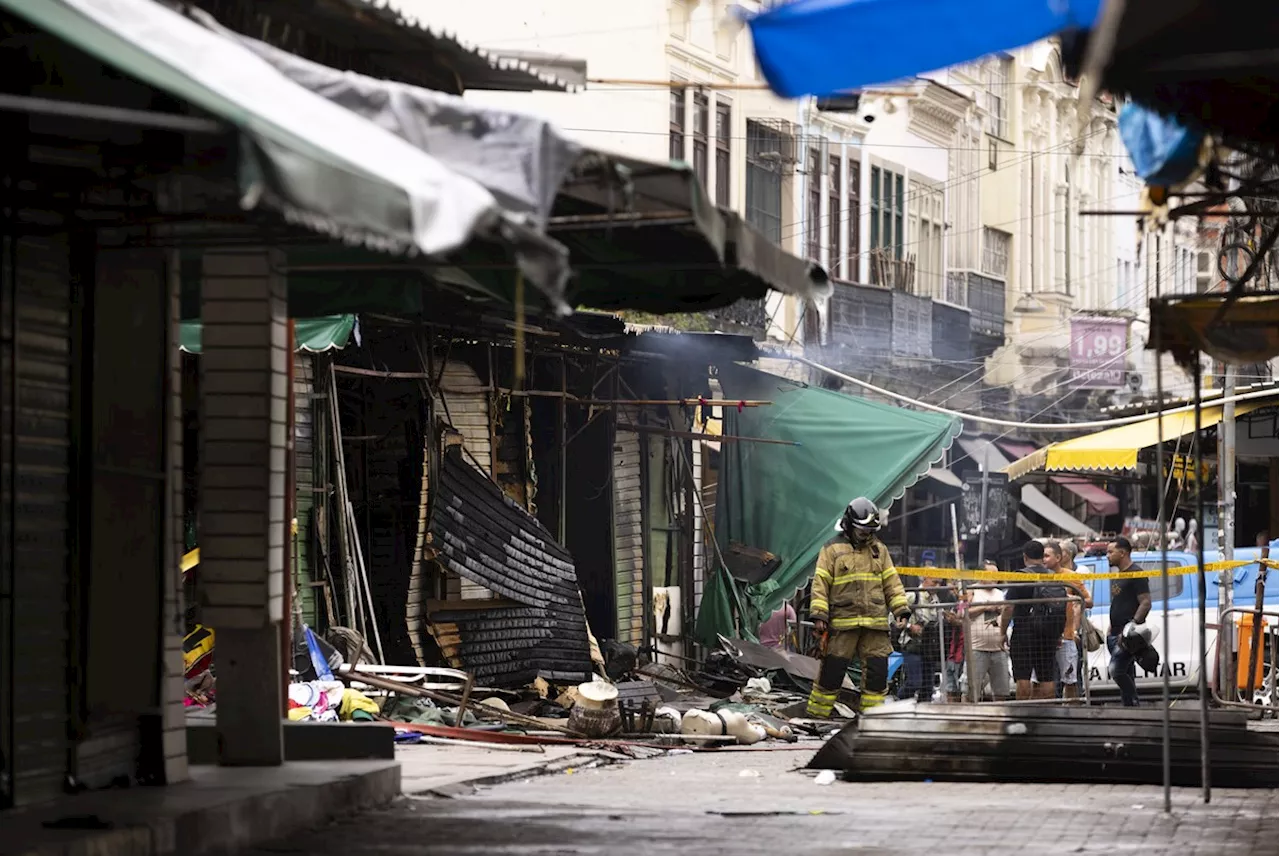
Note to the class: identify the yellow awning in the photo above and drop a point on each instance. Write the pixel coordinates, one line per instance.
(1117, 448)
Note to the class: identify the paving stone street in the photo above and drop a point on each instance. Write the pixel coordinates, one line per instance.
(757, 802)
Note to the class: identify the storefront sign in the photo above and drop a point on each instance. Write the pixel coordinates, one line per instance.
(1098, 347)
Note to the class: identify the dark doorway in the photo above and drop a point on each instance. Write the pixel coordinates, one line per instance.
(589, 518)
(1255, 503)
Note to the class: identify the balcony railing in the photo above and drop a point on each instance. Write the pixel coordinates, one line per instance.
(869, 323)
(983, 295)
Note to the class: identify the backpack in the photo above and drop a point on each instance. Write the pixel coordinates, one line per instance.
(1048, 619)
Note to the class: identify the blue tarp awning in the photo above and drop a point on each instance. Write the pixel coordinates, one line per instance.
(824, 47)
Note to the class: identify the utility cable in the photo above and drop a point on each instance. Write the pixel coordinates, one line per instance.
(1026, 426)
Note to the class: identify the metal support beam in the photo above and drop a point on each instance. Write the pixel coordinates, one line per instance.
(114, 115)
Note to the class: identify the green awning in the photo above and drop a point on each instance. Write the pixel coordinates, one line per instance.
(787, 499)
(315, 335)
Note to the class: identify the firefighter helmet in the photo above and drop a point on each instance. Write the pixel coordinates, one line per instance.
(861, 515)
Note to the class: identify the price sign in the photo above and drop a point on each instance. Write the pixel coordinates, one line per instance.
(1098, 349)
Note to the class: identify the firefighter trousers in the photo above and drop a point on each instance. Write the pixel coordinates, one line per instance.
(870, 646)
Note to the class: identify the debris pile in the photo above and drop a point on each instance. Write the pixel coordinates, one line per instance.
(1042, 743)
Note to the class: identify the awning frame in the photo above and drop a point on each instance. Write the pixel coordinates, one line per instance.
(1114, 448)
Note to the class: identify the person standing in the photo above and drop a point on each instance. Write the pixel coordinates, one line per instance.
(1059, 558)
(990, 649)
(1130, 601)
(1038, 611)
(855, 589)
(915, 641)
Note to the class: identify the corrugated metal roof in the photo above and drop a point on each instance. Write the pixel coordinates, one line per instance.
(476, 67)
(483, 536)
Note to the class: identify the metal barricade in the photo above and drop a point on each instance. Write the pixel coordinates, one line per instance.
(1021, 658)
(1270, 644)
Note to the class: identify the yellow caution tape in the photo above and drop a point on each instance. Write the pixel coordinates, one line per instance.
(190, 560)
(1016, 576)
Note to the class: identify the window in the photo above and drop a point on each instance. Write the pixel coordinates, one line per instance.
(724, 134)
(1204, 270)
(813, 210)
(834, 222)
(1187, 271)
(997, 97)
(995, 252)
(765, 148)
(887, 199)
(1158, 594)
(926, 236)
(701, 120)
(854, 248)
(993, 155)
(676, 125)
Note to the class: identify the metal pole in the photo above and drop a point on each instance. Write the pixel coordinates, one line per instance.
(1226, 526)
(1226, 503)
(1163, 528)
(971, 692)
(1204, 594)
(982, 513)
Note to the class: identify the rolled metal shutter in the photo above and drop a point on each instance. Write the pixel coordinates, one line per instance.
(35, 471)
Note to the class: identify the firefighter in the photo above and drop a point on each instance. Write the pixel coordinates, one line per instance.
(855, 588)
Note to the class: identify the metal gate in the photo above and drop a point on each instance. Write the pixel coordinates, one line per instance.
(35, 470)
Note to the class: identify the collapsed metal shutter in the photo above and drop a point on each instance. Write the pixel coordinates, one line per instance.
(35, 471)
(628, 536)
(468, 413)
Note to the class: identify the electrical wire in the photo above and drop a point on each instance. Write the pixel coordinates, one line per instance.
(1026, 426)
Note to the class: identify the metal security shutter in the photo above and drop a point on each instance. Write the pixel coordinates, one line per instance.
(35, 389)
(468, 413)
(627, 531)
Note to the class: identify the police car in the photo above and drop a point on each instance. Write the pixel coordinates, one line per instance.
(1182, 601)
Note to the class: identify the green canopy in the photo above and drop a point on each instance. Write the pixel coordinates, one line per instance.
(312, 334)
(787, 499)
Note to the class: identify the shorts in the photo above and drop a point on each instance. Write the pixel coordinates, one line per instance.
(1033, 657)
(1068, 662)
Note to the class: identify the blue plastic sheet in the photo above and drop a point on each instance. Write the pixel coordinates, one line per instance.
(824, 47)
(1164, 151)
(318, 661)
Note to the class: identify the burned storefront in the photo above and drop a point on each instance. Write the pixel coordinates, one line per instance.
(500, 497)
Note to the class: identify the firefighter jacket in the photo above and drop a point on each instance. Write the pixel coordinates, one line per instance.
(856, 587)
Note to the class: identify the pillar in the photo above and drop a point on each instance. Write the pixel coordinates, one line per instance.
(243, 389)
(172, 674)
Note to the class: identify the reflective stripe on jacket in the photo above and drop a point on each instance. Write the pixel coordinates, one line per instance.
(856, 587)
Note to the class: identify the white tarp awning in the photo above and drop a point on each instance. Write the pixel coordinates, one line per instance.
(319, 164)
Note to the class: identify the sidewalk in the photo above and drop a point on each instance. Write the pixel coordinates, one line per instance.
(450, 771)
(220, 809)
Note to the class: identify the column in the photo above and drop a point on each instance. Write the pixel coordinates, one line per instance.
(243, 388)
(173, 684)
